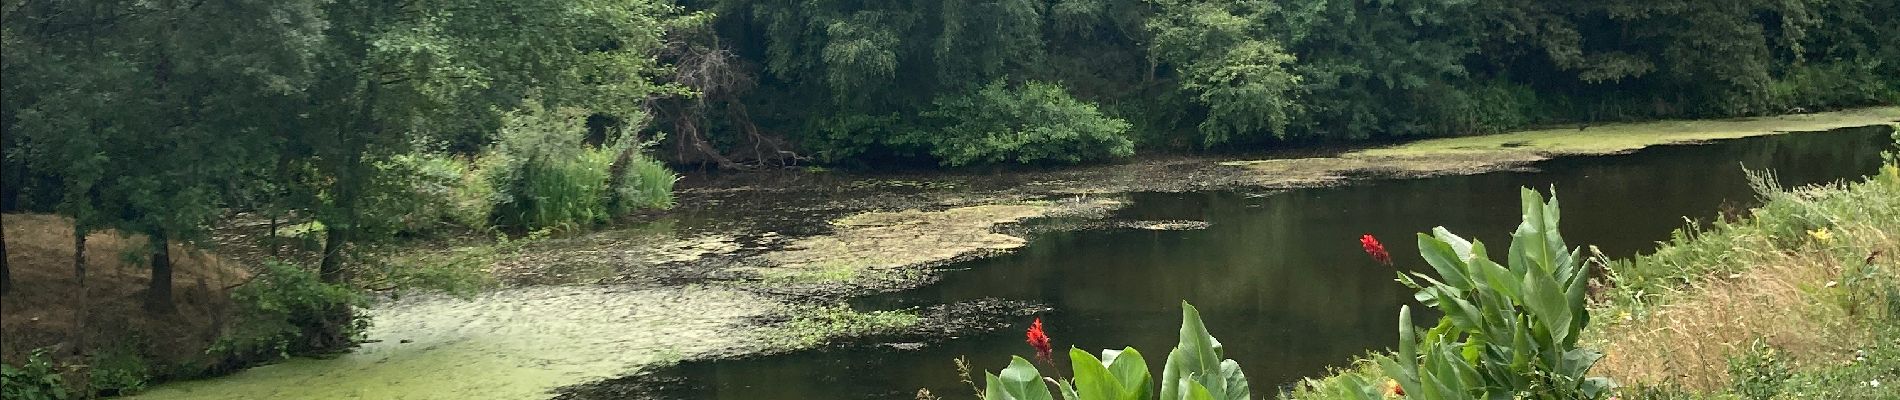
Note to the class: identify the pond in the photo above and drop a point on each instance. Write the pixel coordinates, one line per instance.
(1279, 277)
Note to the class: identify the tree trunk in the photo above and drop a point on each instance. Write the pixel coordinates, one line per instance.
(158, 295)
(331, 268)
(272, 240)
(79, 279)
(6, 275)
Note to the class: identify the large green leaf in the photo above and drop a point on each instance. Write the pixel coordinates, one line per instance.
(1233, 382)
(1192, 390)
(1547, 302)
(1020, 381)
(1194, 356)
(1494, 276)
(1093, 381)
(1444, 259)
(1131, 370)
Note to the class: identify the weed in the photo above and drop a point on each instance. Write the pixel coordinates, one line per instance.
(37, 379)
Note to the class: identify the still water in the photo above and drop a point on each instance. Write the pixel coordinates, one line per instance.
(1280, 278)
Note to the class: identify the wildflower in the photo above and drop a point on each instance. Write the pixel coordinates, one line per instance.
(1374, 249)
(1040, 341)
(1392, 388)
(1821, 235)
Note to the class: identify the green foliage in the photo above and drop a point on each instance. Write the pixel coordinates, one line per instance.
(1037, 122)
(287, 310)
(1785, 219)
(1195, 370)
(1228, 64)
(545, 177)
(1758, 372)
(646, 184)
(35, 380)
(811, 326)
(852, 81)
(117, 370)
(1509, 331)
(447, 190)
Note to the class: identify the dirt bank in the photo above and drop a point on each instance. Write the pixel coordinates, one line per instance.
(44, 309)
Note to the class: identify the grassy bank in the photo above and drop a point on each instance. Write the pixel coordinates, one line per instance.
(1480, 153)
(1796, 299)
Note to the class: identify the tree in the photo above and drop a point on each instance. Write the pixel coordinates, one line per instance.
(1229, 64)
(391, 74)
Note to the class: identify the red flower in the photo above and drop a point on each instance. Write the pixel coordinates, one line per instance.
(1040, 341)
(1374, 249)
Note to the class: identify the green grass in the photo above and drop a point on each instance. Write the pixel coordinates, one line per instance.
(1622, 137)
(814, 325)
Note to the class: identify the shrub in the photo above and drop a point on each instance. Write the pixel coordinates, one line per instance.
(1036, 122)
(447, 190)
(35, 380)
(1195, 369)
(118, 370)
(546, 177)
(287, 310)
(1508, 330)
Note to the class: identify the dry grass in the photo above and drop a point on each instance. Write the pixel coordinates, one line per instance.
(1768, 278)
(42, 310)
(1689, 342)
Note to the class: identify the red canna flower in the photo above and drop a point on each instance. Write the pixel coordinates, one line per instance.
(1040, 341)
(1374, 249)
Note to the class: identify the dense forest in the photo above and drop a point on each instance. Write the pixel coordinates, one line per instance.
(973, 82)
(155, 116)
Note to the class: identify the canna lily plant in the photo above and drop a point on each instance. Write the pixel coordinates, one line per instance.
(1195, 370)
(1509, 331)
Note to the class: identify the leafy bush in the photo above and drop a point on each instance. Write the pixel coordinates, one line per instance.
(1507, 331)
(1195, 369)
(1037, 122)
(118, 370)
(1832, 84)
(36, 380)
(287, 310)
(546, 177)
(448, 190)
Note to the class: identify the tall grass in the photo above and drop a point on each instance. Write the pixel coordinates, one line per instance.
(646, 184)
(1809, 278)
(545, 176)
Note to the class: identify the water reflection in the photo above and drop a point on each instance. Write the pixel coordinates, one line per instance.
(1281, 278)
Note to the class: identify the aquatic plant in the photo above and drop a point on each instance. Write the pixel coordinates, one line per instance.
(1195, 369)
